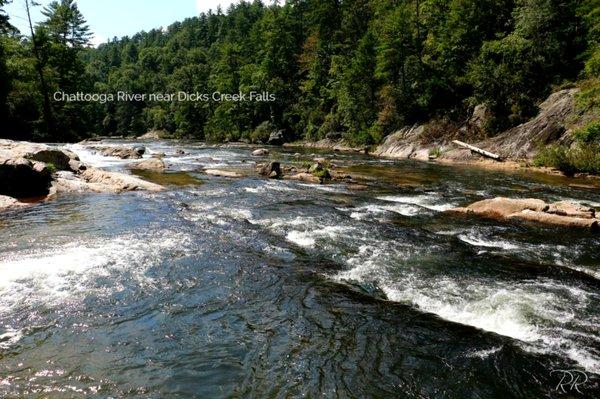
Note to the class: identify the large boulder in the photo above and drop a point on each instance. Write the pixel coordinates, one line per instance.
(561, 214)
(501, 207)
(120, 152)
(62, 159)
(306, 177)
(23, 178)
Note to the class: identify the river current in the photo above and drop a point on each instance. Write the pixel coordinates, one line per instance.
(259, 288)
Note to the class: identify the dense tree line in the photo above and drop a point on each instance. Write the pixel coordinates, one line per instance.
(362, 68)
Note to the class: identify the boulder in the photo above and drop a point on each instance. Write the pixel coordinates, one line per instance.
(480, 117)
(276, 138)
(23, 178)
(120, 152)
(501, 207)
(139, 149)
(561, 214)
(116, 182)
(60, 158)
(303, 176)
(180, 152)
(222, 173)
(156, 164)
(260, 152)
(272, 170)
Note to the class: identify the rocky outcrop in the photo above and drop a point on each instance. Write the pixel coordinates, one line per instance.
(39, 171)
(156, 164)
(563, 214)
(401, 144)
(547, 127)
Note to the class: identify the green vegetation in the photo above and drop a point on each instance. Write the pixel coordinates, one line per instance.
(359, 68)
(582, 157)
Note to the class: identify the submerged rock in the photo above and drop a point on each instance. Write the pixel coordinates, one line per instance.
(117, 182)
(260, 152)
(563, 214)
(276, 138)
(222, 173)
(149, 164)
(303, 176)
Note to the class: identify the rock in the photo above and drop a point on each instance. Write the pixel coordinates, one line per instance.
(556, 220)
(140, 150)
(357, 187)
(297, 155)
(272, 170)
(149, 164)
(401, 144)
(549, 126)
(117, 182)
(421, 155)
(260, 152)
(503, 207)
(480, 117)
(120, 152)
(60, 158)
(23, 178)
(159, 155)
(222, 173)
(276, 138)
(562, 214)
(303, 176)
(7, 203)
(180, 152)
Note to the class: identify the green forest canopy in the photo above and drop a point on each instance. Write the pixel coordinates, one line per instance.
(362, 68)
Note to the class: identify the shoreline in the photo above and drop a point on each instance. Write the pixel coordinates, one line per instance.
(508, 165)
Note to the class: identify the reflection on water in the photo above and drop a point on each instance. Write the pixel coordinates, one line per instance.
(259, 288)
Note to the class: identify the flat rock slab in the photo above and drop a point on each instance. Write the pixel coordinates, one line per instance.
(562, 214)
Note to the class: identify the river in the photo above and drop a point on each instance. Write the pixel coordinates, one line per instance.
(260, 288)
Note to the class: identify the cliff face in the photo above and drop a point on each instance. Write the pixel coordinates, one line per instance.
(520, 142)
(548, 127)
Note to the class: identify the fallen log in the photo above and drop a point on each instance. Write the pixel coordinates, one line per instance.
(479, 151)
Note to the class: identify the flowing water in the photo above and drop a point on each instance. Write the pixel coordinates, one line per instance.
(259, 288)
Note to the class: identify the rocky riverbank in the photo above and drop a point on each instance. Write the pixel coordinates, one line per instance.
(32, 172)
(517, 147)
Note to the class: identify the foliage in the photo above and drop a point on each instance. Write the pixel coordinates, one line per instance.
(362, 68)
(582, 157)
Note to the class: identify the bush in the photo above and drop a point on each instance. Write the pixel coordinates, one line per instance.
(589, 134)
(583, 158)
(262, 132)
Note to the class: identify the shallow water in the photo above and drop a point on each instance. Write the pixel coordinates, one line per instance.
(259, 288)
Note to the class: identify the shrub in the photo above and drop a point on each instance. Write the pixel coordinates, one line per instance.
(262, 132)
(583, 158)
(589, 134)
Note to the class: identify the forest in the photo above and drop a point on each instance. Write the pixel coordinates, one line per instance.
(359, 69)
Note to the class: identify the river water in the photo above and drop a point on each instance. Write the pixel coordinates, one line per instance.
(259, 288)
